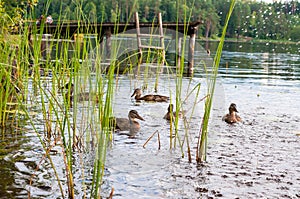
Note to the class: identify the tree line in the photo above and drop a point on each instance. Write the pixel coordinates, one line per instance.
(250, 19)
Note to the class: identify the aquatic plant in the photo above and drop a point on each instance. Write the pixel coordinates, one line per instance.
(45, 70)
(42, 80)
(203, 134)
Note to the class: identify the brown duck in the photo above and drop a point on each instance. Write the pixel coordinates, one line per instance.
(168, 115)
(232, 116)
(82, 96)
(150, 98)
(130, 124)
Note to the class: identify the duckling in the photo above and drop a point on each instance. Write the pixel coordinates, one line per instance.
(130, 124)
(83, 96)
(232, 117)
(154, 98)
(168, 115)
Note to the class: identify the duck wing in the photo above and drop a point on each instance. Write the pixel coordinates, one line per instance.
(229, 119)
(155, 98)
(238, 118)
(122, 124)
(148, 98)
(161, 98)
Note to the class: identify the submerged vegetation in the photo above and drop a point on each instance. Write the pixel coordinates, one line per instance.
(39, 76)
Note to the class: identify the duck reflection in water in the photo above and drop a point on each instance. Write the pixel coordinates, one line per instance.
(149, 98)
(232, 116)
(130, 124)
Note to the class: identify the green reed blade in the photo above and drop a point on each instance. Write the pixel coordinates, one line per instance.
(202, 143)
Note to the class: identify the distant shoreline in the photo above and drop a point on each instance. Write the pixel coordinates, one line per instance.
(243, 40)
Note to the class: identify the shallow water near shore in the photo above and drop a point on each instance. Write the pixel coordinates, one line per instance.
(258, 158)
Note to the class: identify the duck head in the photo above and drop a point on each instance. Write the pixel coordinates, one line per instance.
(232, 108)
(170, 108)
(137, 92)
(133, 114)
(68, 85)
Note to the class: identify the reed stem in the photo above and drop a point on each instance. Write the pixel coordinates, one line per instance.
(203, 134)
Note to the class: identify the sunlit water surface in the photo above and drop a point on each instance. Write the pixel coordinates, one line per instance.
(258, 158)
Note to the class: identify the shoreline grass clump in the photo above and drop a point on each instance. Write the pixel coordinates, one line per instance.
(62, 122)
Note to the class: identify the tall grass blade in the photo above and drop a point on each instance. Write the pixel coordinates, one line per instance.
(202, 142)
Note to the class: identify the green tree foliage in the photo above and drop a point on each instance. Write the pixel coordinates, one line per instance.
(168, 9)
(91, 10)
(3, 19)
(295, 34)
(210, 18)
(240, 20)
(250, 18)
(10, 19)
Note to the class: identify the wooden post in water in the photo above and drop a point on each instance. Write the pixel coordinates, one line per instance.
(139, 42)
(45, 45)
(162, 43)
(191, 54)
(178, 61)
(108, 44)
(160, 48)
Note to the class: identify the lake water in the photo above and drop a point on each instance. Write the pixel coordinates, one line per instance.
(258, 158)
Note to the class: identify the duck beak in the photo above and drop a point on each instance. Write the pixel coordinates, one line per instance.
(139, 117)
(234, 108)
(133, 93)
(170, 108)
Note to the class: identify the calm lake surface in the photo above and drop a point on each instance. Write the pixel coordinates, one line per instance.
(258, 158)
